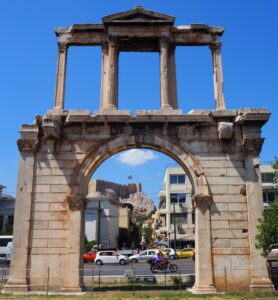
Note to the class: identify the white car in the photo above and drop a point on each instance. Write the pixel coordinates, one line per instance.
(143, 256)
(110, 257)
(170, 252)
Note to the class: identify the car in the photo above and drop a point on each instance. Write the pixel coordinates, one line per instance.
(145, 255)
(90, 256)
(186, 253)
(170, 252)
(273, 252)
(110, 257)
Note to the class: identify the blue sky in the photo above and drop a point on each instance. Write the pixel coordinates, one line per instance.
(29, 55)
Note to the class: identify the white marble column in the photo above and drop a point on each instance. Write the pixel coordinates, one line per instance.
(61, 76)
(112, 76)
(17, 281)
(204, 283)
(258, 270)
(217, 75)
(104, 75)
(164, 74)
(75, 243)
(173, 97)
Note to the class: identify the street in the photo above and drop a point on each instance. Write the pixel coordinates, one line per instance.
(185, 266)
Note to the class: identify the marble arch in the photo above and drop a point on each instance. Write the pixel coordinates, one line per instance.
(219, 149)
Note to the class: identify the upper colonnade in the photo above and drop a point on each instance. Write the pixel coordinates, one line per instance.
(139, 30)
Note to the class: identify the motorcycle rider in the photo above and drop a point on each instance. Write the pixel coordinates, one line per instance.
(159, 258)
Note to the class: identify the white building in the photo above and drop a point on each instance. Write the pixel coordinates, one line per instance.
(269, 184)
(7, 204)
(175, 219)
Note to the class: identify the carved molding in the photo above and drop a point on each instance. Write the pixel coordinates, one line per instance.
(51, 125)
(202, 201)
(164, 42)
(76, 202)
(215, 46)
(225, 130)
(62, 47)
(27, 145)
(252, 145)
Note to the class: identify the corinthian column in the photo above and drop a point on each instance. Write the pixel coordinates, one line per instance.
(217, 76)
(112, 76)
(164, 74)
(258, 271)
(203, 264)
(61, 76)
(173, 78)
(104, 75)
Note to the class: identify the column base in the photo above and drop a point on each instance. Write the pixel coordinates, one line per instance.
(16, 286)
(76, 289)
(204, 289)
(262, 284)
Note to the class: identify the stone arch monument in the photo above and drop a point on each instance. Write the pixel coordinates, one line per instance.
(219, 150)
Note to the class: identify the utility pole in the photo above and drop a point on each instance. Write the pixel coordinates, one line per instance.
(98, 225)
(175, 232)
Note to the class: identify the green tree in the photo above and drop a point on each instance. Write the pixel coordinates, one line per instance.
(268, 228)
(147, 230)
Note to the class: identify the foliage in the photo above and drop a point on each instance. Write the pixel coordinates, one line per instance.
(275, 167)
(176, 279)
(124, 237)
(268, 228)
(147, 231)
(8, 230)
(88, 245)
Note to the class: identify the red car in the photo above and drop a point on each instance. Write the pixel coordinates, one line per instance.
(90, 256)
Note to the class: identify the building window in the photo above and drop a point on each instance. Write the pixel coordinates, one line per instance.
(180, 218)
(267, 177)
(268, 197)
(1, 222)
(178, 198)
(177, 179)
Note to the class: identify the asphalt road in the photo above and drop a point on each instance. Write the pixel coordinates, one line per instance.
(185, 266)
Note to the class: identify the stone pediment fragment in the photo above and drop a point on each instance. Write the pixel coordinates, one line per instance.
(139, 15)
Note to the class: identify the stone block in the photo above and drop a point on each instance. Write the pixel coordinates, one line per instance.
(58, 224)
(48, 234)
(54, 243)
(231, 216)
(220, 243)
(215, 172)
(239, 224)
(43, 171)
(237, 207)
(220, 224)
(40, 224)
(41, 206)
(43, 188)
(225, 180)
(62, 172)
(227, 234)
(236, 172)
(233, 252)
(239, 243)
(49, 251)
(52, 216)
(39, 243)
(51, 197)
(40, 180)
(219, 207)
(59, 188)
(229, 198)
(62, 206)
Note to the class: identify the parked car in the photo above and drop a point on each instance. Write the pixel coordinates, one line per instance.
(186, 253)
(170, 252)
(110, 257)
(143, 256)
(90, 256)
(273, 252)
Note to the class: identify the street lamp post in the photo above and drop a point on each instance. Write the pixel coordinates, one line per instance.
(98, 224)
(175, 232)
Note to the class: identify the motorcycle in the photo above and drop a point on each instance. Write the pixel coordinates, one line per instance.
(164, 266)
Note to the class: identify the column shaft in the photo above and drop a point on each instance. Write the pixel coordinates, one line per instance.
(173, 79)
(259, 274)
(218, 76)
(164, 74)
(104, 76)
(61, 76)
(112, 77)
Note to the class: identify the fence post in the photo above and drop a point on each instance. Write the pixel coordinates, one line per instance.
(133, 280)
(99, 276)
(165, 276)
(2, 280)
(93, 273)
(180, 282)
(47, 281)
(225, 275)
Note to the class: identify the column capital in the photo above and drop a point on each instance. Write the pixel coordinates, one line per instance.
(62, 47)
(27, 145)
(252, 145)
(164, 42)
(202, 201)
(112, 42)
(216, 45)
(76, 202)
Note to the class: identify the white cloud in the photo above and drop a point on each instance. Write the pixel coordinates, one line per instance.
(135, 157)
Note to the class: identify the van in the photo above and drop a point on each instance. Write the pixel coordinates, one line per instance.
(4, 240)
